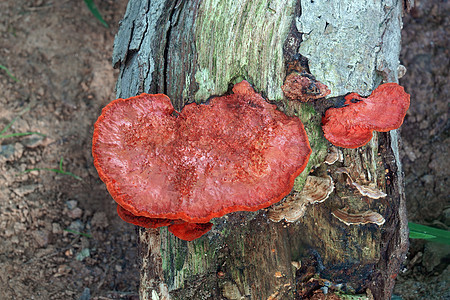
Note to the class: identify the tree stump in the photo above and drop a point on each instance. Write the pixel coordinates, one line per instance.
(192, 50)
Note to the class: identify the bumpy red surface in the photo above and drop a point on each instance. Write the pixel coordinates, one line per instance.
(236, 153)
(351, 126)
(144, 221)
(181, 229)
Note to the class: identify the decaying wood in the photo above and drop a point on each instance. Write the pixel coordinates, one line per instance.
(192, 50)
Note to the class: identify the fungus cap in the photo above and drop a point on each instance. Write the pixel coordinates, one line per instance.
(181, 229)
(315, 190)
(236, 153)
(304, 87)
(351, 126)
(361, 218)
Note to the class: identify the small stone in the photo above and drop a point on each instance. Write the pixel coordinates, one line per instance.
(41, 237)
(71, 204)
(84, 253)
(56, 228)
(75, 213)
(18, 227)
(428, 179)
(8, 233)
(118, 268)
(24, 190)
(76, 226)
(33, 141)
(10, 152)
(99, 220)
(86, 295)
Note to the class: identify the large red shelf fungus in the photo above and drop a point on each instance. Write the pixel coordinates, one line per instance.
(351, 126)
(164, 168)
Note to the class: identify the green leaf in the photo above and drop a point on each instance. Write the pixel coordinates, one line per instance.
(93, 8)
(419, 235)
(417, 231)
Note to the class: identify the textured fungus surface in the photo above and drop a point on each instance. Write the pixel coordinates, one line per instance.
(316, 190)
(236, 153)
(184, 230)
(351, 126)
(366, 217)
(304, 87)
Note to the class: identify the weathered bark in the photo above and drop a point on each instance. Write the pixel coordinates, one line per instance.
(192, 50)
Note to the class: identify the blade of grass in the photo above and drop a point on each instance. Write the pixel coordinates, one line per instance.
(420, 235)
(53, 170)
(15, 119)
(59, 171)
(2, 67)
(21, 134)
(93, 8)
(429, 233)
(79, 233)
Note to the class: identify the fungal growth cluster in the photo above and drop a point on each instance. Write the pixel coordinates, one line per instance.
(237, 153)
(181, 169)
(351, 126)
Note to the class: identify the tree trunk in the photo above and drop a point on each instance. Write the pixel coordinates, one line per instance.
(191, 50)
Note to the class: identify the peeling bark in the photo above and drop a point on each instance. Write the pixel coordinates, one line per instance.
(192, 50)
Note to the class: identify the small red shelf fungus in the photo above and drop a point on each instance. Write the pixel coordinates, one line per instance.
(351, 126)
(238, 153)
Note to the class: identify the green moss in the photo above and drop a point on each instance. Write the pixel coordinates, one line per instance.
(241, 40)
(205, 84)
(180, 257)
(313, 128)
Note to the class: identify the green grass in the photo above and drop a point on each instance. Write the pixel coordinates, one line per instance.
(417, 231)
(93, 8)
(78, 233)
(5, 136)
(2, 67)
(59, 171)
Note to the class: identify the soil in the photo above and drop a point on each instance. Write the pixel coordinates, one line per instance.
(61, 56)
(426, 145)
(60, 237)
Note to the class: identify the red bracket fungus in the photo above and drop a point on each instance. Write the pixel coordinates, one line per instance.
(351, 126)
(180, 170)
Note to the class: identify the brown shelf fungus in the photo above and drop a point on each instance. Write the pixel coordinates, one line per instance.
(180, 170)
(351, 126)
(304, 87)
(362, 218)
(316, 190)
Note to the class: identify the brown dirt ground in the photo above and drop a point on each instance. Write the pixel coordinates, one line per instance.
(426, 145)
(62, 57)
